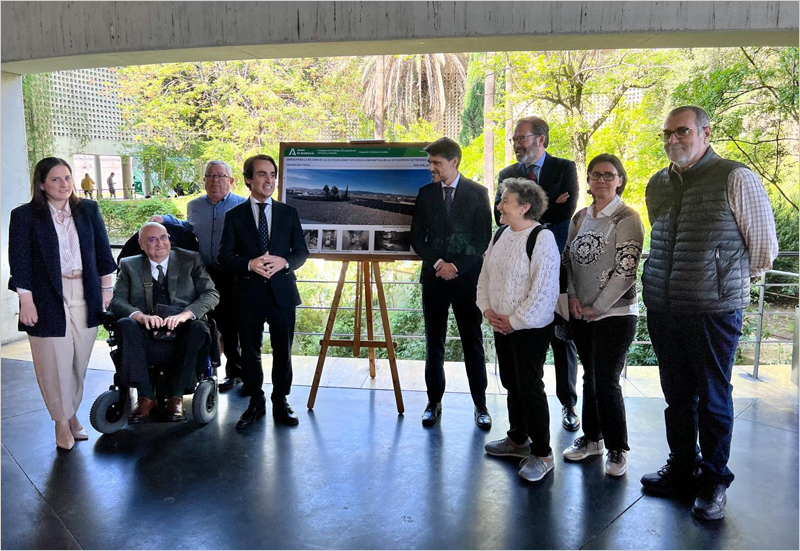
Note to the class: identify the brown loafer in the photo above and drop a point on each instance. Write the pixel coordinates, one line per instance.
(175, 409)
(143, 412)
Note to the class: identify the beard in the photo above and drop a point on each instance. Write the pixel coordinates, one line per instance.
(526, 157)
(678, 155)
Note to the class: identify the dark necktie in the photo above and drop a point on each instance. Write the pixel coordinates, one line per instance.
(448, 199)
(532, 174)
(160, 269)
(263, 228)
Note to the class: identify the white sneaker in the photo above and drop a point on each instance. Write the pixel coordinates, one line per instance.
(534, 468)
(616, 462)
(583, 448)
(507, 448)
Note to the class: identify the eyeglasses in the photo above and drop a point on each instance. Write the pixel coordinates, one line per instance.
(153, 240)
(520, 139)
(213, 177)
(607, 176)
(680, 133)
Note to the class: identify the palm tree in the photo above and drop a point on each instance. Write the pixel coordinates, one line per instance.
(409, 87)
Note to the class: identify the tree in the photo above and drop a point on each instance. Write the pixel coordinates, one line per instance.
(472, 115)
(581, 90)
(405, 88)
(326, 190)
(751, 96)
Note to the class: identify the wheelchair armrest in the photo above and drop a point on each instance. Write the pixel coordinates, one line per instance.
(109, 320)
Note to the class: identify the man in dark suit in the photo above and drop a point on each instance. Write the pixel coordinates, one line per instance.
(263, 244)
(178, 278)
(450, 231)
(559, 179)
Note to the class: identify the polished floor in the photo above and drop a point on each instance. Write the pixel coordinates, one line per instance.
(356, 475)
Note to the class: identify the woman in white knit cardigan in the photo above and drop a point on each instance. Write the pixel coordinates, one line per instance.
(518, 295)
(603, 251)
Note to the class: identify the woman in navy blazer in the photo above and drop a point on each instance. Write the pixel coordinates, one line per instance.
(61, 266)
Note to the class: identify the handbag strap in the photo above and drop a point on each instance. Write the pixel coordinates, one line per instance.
(147, 279)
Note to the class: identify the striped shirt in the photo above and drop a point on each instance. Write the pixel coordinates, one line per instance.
(69, 248)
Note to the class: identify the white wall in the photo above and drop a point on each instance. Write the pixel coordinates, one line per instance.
(15, 190)
(50, 36)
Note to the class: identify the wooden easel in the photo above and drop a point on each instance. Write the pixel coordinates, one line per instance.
(363, 298)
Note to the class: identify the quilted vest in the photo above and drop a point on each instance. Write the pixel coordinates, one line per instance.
(698, 262)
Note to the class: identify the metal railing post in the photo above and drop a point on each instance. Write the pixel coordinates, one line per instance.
(760, 326)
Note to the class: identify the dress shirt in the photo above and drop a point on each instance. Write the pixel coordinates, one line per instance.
(537, 166)
(69, 248)
(154, 267)
(607, 211)
(206, 220)
(752, 212)
(267, 211)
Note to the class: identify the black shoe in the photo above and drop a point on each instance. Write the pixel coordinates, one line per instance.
(229, 382)
(284, 414)
(667, 481)
(431, 414)
(250, 415)
(482, 418)
(569, 419)
(710, 502)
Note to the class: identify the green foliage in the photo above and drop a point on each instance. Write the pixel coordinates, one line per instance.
(472, 115)
(37, 95)
(123, 218)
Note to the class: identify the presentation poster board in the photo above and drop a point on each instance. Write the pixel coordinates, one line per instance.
(355, 200)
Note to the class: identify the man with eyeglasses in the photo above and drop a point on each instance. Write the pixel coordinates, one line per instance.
(559, 179)
(178, 279)
(713, 233)
(206, 218)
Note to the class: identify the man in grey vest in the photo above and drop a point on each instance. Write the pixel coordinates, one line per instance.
(713, 232)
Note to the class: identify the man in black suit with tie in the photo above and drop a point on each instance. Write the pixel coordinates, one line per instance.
(263, 244)
(559, 179)
(450, 231)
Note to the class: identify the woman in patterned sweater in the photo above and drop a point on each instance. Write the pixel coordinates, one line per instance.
(603, 251)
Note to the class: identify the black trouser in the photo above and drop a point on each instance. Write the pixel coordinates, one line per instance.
(252, 310)
(520, 358)
(565, 360)
(187, 355)
(437, 296)
(602, 346)
(695, 361)
(225, 316)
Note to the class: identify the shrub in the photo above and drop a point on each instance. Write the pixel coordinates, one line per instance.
(123, 218)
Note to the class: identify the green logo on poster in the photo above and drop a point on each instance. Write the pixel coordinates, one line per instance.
(291, 151)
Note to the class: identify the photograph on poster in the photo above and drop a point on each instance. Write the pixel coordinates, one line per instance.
(312, 239)
(328, 240)
(362, 197)
(355, 240)
(392, 241)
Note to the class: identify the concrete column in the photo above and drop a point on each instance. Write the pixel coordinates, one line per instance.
(16, 190)
(98, 178)
(127, 177)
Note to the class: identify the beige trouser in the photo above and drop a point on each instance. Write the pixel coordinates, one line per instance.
(61, 362)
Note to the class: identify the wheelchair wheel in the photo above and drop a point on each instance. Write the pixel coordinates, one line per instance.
(204, 404)
(106, 415)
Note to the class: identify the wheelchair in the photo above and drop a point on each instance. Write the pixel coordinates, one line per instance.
(110, 411)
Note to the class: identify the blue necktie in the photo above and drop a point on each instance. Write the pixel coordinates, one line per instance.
(263, 227)
(448, 199)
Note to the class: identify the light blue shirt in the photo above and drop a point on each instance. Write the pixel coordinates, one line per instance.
(538, 165)
(206, 220)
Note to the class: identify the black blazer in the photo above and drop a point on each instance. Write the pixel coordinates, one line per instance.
(240, 244)
(461, 238)
(556, 177)
(35, 263)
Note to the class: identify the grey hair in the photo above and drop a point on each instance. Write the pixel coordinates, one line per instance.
(528, 193)
(701, 119)
(539, 127)
(223, 163)
(148, 225)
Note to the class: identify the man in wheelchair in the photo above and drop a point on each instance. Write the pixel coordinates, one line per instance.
(159, 301)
